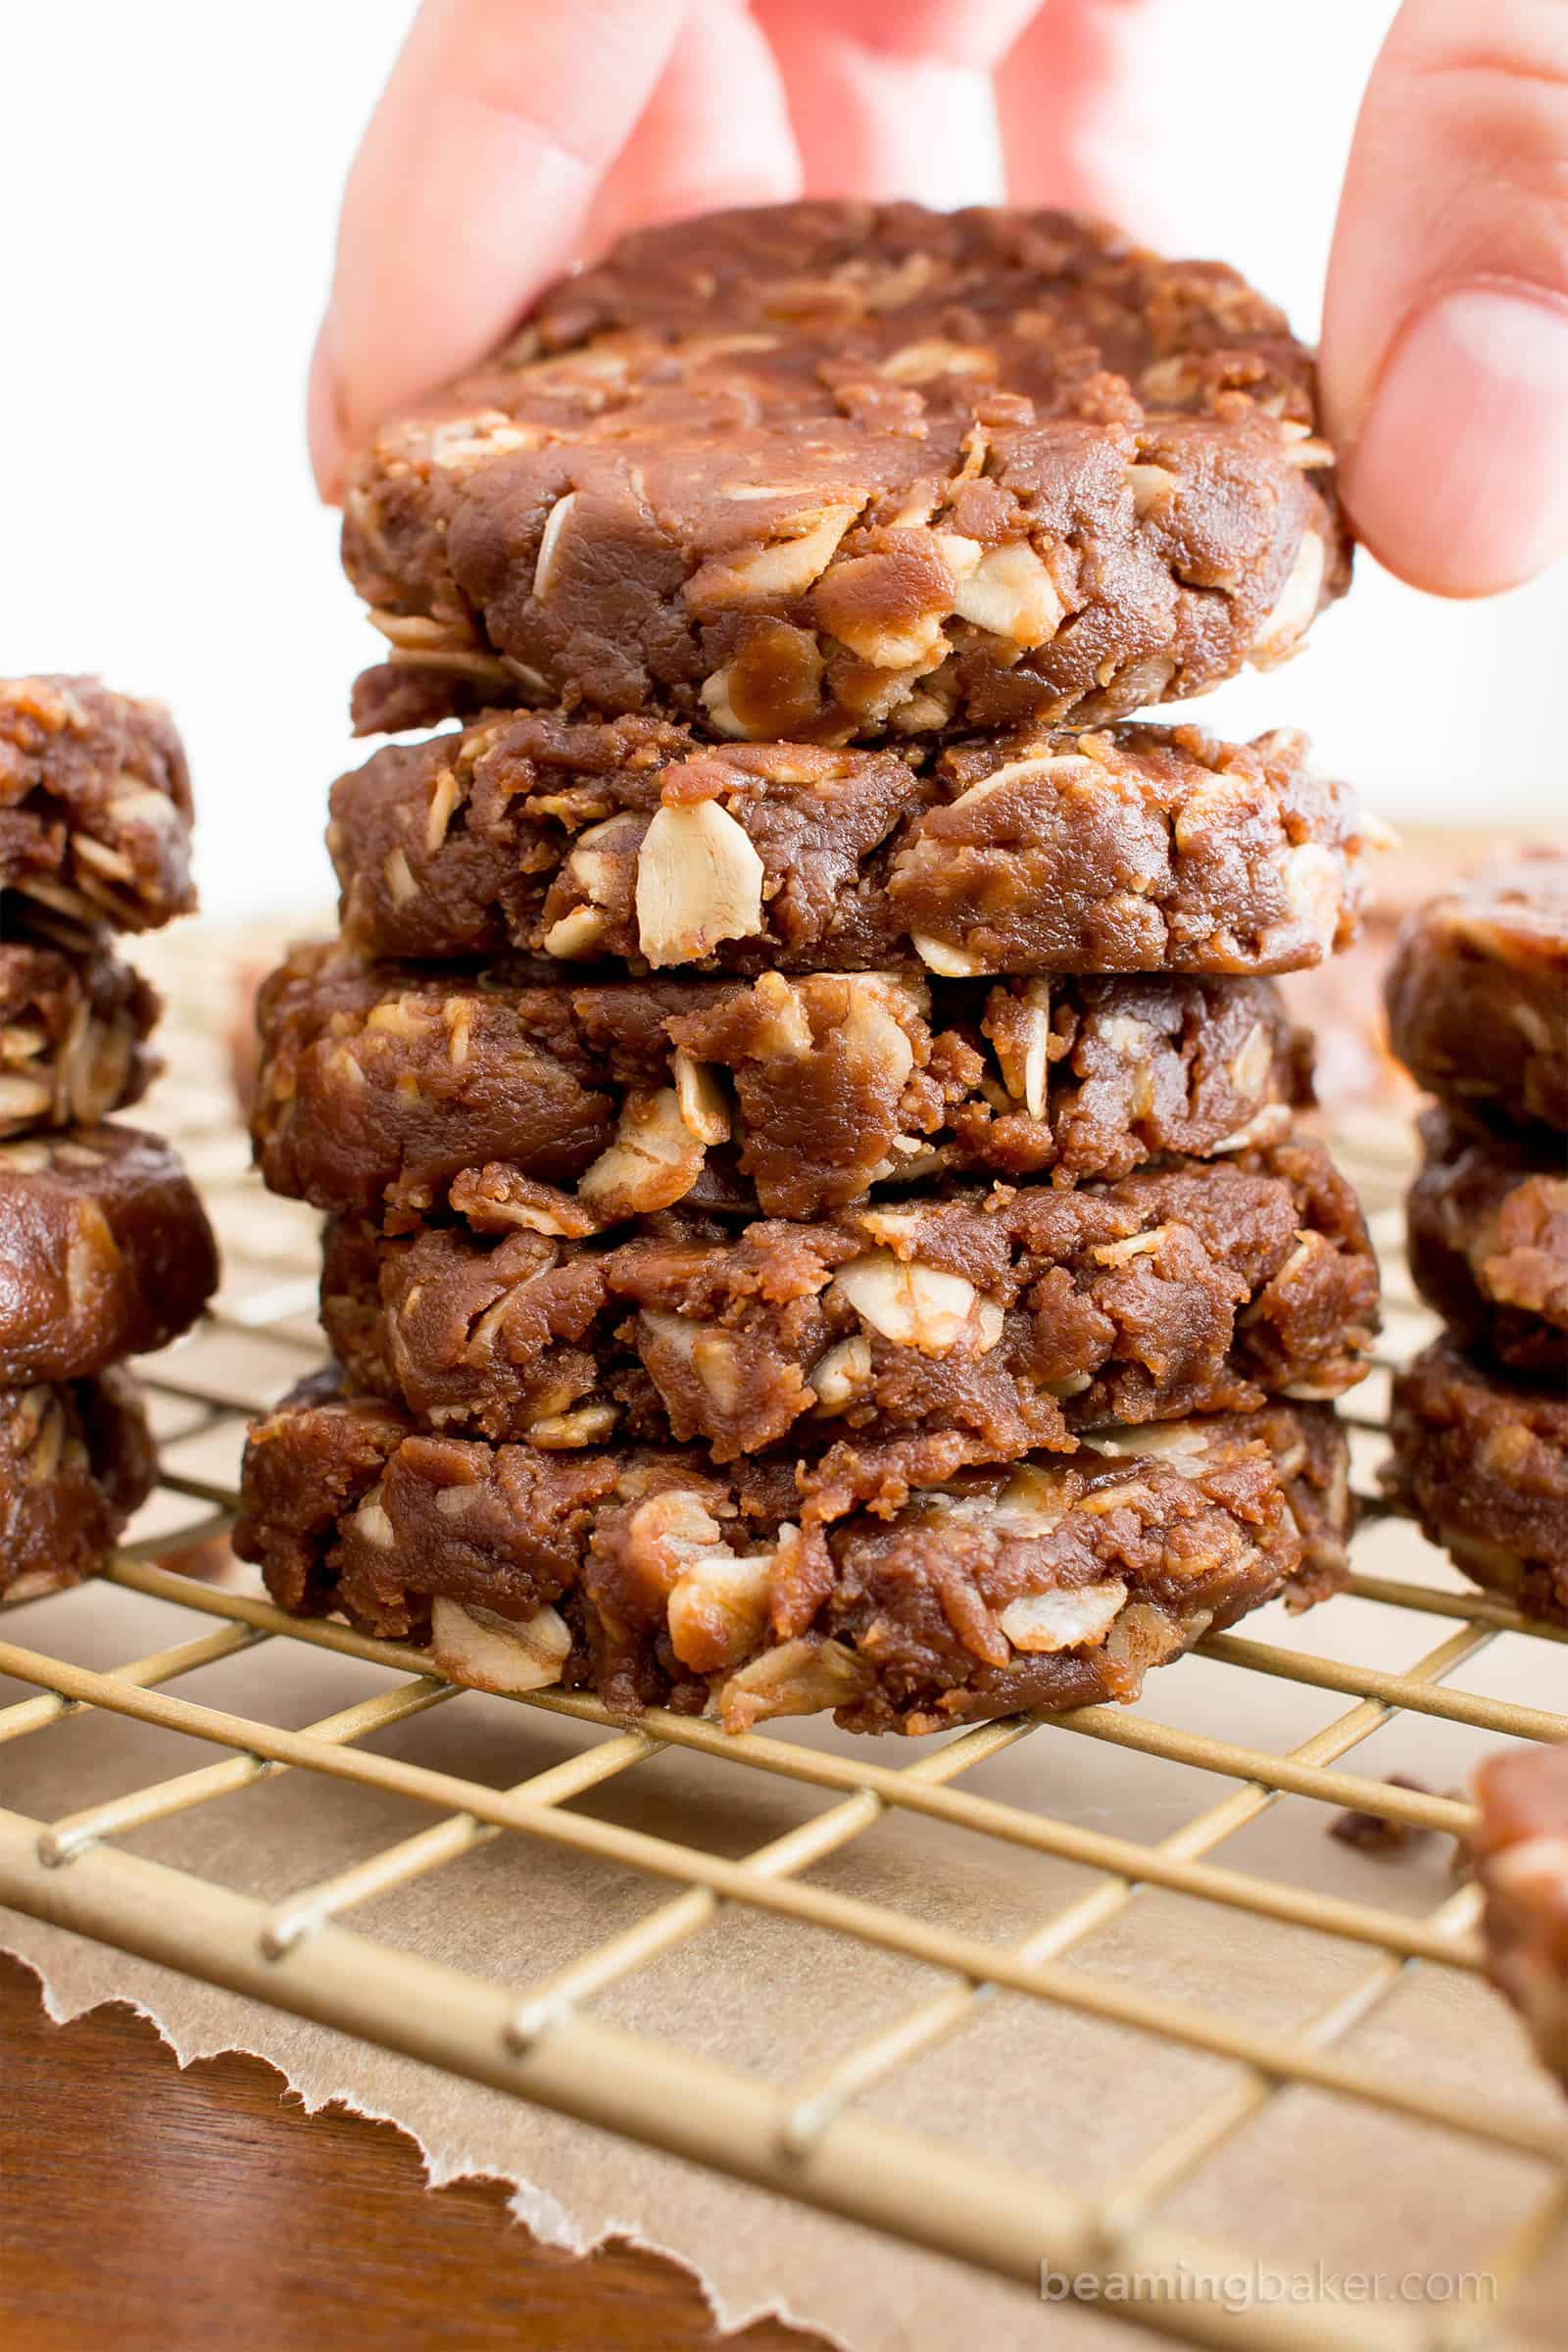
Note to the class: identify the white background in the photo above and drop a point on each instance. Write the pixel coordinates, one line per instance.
(169, 181)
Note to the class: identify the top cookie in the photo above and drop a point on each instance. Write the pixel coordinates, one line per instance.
(95, 805)
(822, 471)
(1478, 991)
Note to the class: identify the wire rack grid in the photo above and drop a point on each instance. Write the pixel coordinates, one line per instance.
(814, 2139)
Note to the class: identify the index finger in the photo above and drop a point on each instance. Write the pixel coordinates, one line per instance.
(1445, 325)
(471, 189)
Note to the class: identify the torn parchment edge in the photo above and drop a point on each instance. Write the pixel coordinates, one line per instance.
(532, 2207)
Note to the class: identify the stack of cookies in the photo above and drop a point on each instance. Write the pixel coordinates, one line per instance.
(104, 1250)
(817, 1215)
(1478, 1011)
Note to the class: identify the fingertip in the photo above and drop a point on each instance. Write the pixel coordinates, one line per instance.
(714, 135)
(1457, 479)
(472, 188)
(1444, 364)
(326, 437)
(621, 209)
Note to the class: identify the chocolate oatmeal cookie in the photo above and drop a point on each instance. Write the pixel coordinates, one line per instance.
(74, 1022)
(1014, 1317)
(95, 805)
(1489, 1243)
(826, 470)
(1481, 1459)
(395, 1092)
(891, 1585)
(104, 1252)
(1521, 1851)
(1478, 991)
(75, 1460)
(1142, 850)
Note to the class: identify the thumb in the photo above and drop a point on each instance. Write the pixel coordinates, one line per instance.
(1444, 360)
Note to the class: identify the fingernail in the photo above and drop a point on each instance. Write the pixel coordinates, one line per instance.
(1458, 478)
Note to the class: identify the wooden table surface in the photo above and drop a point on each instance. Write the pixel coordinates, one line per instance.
(161, 2210)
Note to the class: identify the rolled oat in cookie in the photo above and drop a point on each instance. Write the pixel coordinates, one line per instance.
(75, 1460)
(1134, 850)
(397, 1092)
(826, 470)
(895, 1586)
(1481, 1459)
(74, 1022)
(1521, 1854)
(104, 1252)
(1014, 1318)
(1477, 991)
(1488, 1223)
(95, 805)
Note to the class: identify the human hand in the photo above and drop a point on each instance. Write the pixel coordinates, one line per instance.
(514, 135)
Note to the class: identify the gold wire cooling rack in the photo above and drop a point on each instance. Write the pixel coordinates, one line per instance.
(815, 2140)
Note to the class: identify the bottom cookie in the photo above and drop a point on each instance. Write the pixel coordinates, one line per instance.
(75, 1460)
(1481, 1460)
(892, 1583)
(1521, 1849)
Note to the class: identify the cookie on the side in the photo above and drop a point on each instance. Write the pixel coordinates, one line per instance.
(104, 1252)
(1478, 991)
(95, 805)
(1488, 1220)
(828, 469)
(1521, 1851)
(75, 1460)
(1481, 1459)
(891, 1585)
(75, 1021)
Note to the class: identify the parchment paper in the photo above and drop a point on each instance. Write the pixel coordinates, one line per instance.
(1317, 2182)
